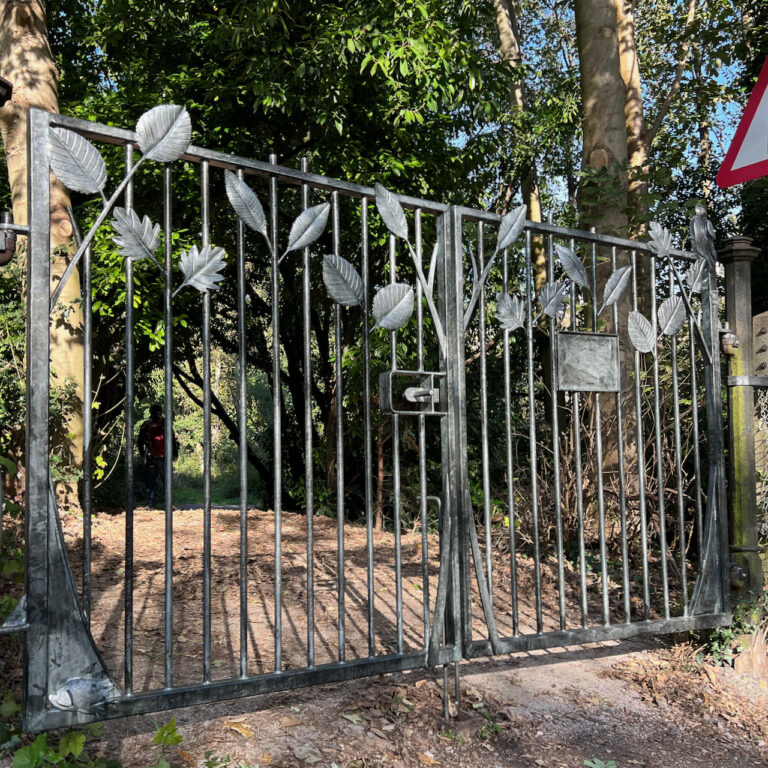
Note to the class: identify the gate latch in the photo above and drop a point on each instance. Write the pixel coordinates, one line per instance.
(410, 393)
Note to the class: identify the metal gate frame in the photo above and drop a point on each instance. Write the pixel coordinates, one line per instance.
(60, 656)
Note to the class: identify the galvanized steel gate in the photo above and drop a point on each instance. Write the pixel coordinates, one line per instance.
(551, 397)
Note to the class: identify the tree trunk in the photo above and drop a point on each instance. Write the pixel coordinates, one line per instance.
(26, 61)
(510, 52)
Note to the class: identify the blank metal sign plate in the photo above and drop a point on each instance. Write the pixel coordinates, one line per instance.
(587, 362)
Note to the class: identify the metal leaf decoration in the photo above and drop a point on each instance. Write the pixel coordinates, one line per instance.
(245, 203)
(551, 299)
(572, 266)
(510, 311)
(393, 305)
(696, 275)
(511, 226)
(308, 226)
(671, 315)
(391, 212)
(136, 238)
(641, 333)
(202, 269)
(615, 286)
(76, 162)
(342, 281)
(163, 133)
(661, 240)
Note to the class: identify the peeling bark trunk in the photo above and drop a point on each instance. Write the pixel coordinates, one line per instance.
(26, 61)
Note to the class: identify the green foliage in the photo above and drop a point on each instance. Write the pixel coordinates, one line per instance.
(596, 762)
(723, 644)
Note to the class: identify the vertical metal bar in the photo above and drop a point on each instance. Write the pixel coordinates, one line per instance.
(678, 464)
(457, 685)
(556, 438)
(129, 448)
(339, 445)
(485, 452)
(205, 240)
(659, 446)
(446, 696)
(277, 434)
(168, 363)
(309, 469)
(510, 463)
(696, 438)
(422, 440)
(37, 458)
(396, 470)
(367, 425)
(599, 459)
(87, 429)
(529, 299)
(622, 479)
(242, 419)
(641, 460)
(578, 476)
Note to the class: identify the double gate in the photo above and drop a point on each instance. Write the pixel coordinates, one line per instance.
(547, 426)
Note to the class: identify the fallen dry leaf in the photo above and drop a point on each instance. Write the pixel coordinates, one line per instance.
(290, 721)
(427, 759)
(187, 757)
(353, 718)
(240, 728)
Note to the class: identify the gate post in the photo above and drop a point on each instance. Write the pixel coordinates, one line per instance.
(737, 254)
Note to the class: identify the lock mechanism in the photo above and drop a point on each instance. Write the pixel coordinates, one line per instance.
(410, 393)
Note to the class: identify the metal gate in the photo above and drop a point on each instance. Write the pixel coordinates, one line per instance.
(554, 434)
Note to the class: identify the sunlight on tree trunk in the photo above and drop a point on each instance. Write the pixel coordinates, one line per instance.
(26, 60)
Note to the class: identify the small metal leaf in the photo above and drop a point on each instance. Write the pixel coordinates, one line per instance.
(641, 333)
(245, 203)
(572, 266)
(511, 226)
(697, 275)
(393, 305)
(308, 226)
(342, 281)
(551, 299)
(671, 315)
(510, 311)
(163, 133)
(202, 269)
(76, 162)
(391, 212)
(136, 238)
(661, 239)
(615, 286)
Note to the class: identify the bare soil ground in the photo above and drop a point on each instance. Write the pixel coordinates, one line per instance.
(639, 703)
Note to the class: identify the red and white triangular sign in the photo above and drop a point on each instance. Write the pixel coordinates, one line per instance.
(747, 156)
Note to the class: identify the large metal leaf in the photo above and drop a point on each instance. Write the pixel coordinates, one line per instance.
(393, 305)
(245, 203)
(342, 281)
(76, 162)
(641, 333)
(136, 238)
(696, 275)
(615, 286)
(163, 133)
(202, 269)
(671, 315)
(551, 299)
(572, 266)
(308, 226)
(391, 212)
(510, 311)
(661, 239)
(510, 228)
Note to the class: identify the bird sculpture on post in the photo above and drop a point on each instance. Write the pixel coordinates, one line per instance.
(703, 236)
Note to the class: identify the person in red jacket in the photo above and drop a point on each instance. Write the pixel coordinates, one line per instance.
(151, 445)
